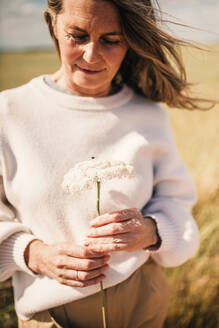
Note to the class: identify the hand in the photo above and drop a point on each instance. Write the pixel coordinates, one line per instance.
(124, 230)
(69, 264)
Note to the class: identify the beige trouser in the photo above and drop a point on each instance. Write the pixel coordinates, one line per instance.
(141, 301)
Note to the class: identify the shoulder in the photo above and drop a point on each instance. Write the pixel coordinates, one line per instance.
(18, 92)
(11, 99)
(149, 107)
(151, 113)
(151, 118)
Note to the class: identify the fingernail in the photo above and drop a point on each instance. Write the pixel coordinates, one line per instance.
(94, 222)
(107, 257)
(106, 266)
(85, 242)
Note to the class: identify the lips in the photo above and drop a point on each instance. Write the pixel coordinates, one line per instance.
(89, 71)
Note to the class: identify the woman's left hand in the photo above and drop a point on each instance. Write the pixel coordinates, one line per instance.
(123, 230)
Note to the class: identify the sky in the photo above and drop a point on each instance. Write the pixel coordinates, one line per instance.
(22, 24)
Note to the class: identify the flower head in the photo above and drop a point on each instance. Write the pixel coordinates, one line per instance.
(85, 174)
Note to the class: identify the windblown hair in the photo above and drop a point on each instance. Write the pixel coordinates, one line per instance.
(153, 65)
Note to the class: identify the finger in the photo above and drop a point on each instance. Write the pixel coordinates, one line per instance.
(81, 264)
(77, 251)
(109, 218)
(88, 265)
(81, 275)
(112, 228)
(82, 284)
(108, 247)
(119, 238)
(88, 275)
(116, 216)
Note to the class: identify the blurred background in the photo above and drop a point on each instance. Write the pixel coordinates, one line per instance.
(26, 51)
(22, 25)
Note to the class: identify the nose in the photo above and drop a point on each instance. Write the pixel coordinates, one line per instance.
(91, 53)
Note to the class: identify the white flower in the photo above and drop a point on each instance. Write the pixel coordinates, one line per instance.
(84, 174)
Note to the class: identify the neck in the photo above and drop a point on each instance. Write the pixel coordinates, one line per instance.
(66, 84)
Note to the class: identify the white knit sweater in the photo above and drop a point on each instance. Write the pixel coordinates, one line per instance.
(43, 133)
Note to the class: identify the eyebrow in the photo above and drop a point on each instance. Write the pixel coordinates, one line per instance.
(84, 31)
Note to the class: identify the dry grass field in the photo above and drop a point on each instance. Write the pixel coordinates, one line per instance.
(194, 285)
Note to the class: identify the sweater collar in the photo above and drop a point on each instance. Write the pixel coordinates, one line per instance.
(83, 103)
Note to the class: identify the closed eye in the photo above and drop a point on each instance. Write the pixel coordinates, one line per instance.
(85, 38)
(110, 41)
(79, 38)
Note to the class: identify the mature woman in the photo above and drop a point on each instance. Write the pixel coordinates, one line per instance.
(115, 68)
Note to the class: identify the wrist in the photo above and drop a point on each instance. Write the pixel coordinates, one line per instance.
(32, 255)
(156, 241)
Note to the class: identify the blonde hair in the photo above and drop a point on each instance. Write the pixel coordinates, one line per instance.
(153, 65)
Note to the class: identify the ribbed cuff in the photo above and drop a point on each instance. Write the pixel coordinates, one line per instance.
(12, 253)
(166, 231)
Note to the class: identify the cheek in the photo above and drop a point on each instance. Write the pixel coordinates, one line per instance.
(69, 52)
(115, 57)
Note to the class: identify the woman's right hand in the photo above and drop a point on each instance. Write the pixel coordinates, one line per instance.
(62, 261)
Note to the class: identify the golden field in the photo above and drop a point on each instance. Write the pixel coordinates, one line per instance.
(194, 285)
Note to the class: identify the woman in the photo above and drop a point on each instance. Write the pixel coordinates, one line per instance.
(102, 102)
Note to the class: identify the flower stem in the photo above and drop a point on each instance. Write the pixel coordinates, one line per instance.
(98, 197)
(101, 283)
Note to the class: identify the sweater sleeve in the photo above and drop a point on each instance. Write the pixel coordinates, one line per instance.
(174, 194)
(14, 236)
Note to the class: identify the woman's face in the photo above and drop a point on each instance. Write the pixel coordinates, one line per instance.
(92, 46)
